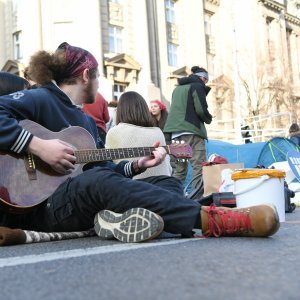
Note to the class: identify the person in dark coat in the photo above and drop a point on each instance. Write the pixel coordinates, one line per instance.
(11, 83)
(186, 121)
(294, 133)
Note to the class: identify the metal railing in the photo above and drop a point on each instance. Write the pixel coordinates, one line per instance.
(261, 128)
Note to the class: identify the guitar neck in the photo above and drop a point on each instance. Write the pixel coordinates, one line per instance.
(87, 156)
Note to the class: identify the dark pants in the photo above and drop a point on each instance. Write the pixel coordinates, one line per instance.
(74, 204)
(199, 156)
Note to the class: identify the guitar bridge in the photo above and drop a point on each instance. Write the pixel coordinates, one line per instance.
(30, 166)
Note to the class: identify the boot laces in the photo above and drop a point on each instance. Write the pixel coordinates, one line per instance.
(222, 221)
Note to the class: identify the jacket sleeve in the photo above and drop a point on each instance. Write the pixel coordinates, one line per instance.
(124, 167)
(200, 104)
(13, 108)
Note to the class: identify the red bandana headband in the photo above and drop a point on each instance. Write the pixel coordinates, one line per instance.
(77, 60)
(160, 104)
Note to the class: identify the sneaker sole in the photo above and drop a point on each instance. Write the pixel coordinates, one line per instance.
(133, 226)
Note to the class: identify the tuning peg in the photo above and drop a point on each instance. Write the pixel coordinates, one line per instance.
(173, 141)
(177, 142)
(182, 142)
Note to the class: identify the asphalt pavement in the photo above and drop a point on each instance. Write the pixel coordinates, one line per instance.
(166, 268)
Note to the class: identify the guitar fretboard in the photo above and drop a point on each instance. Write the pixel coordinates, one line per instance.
(85, 156)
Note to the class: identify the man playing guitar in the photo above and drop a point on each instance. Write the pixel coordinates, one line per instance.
(104, 194)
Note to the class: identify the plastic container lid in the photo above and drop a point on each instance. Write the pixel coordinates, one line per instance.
(253, 173)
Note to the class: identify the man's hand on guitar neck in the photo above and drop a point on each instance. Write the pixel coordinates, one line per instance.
(158, 155)
(58, 154)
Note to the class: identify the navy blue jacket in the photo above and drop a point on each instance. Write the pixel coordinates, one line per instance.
(50, 107)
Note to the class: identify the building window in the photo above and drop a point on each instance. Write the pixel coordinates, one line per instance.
(17, 45)
(118, 90)
(172, 54)
(170, 12)
(211, 64)
(297, 59)
(207, 24)
(270, 43)
(15, 5)
(115, 39)
(60, 31)
(289, 51)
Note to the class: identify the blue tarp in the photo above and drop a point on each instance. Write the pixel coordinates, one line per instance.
(246, 153)
(276, 150)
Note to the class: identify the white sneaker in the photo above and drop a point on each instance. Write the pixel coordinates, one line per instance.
(134, 225)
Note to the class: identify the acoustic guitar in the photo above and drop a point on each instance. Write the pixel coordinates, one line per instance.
(26, 181)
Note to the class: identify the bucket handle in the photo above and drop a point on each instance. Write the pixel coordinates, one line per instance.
(249, 188)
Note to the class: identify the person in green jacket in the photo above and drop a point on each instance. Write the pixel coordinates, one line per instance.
(185, 122)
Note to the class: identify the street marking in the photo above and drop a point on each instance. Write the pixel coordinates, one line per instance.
(50, 256)
(293, 222)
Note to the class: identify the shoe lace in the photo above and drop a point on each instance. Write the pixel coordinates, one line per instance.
(227, 221)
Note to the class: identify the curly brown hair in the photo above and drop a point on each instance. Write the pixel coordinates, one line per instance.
(44, 67)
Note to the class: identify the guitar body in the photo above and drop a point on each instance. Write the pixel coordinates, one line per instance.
(26, 181)
(20, 190)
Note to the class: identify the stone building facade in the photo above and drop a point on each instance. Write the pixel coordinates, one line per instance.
(251, 49)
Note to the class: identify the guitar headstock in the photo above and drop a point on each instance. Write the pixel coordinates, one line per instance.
(180, 150)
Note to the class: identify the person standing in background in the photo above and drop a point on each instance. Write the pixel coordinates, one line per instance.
(159, 113)
(185, 122)
(112, 110)
(99, 112)
(135, 128)
(294, 133)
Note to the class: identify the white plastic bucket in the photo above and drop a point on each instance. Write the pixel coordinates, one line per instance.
(255, 188)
